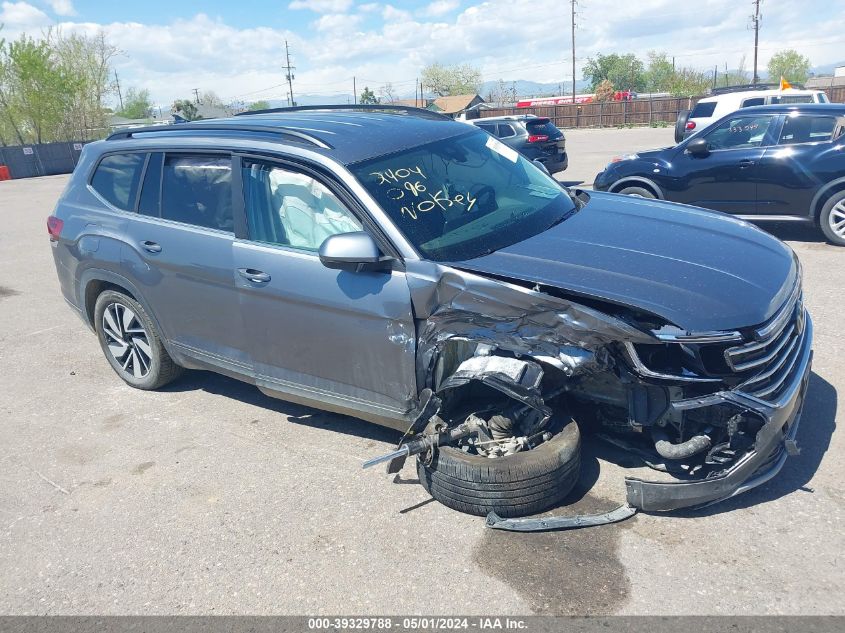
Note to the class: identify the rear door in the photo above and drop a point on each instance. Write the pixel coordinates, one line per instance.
(547, 138)
(725, 179)
(788, 179)
(316, 334)
(180, 255)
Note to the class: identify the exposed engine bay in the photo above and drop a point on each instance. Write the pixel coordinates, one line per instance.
(715, 411)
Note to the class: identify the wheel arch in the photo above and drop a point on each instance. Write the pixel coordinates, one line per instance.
(823, 195)
(95, 281)
(637, 180)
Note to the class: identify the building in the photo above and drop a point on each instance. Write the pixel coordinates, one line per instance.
(456, 104)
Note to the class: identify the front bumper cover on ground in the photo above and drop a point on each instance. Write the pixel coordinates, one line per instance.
(774, 441)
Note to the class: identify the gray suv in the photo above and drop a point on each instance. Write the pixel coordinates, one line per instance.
(394, 265)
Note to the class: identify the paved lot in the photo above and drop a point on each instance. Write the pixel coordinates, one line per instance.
(211, 498)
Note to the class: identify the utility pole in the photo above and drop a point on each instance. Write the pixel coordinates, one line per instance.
(119, 94)
(755, 19)
(573, 50)
(290, 76)
(197, 95)
(416, 87)
(355, 90)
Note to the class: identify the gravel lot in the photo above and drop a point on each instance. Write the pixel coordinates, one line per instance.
(212, 498)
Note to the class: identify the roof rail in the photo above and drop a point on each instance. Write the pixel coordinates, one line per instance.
(220, 126)
(747, 87)
(421, 112)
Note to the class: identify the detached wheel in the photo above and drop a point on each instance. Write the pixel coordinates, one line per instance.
(515, 485)
(832, 219)
(131, 343)
(681, 125)
(637, 192)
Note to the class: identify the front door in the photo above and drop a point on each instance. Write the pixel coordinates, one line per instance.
(725, 179)
(342, 339)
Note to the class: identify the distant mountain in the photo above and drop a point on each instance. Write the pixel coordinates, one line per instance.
(526, 88)
(827, 69)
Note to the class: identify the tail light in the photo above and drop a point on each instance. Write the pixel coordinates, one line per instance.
(690, 125)
(538, 138)
(54, 228)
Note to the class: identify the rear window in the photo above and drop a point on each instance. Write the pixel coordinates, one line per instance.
(542, 126)
(793, 99)
(117, 177)
(703, 110)
(198, 190)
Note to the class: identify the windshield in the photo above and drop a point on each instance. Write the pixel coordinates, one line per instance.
(465, 196)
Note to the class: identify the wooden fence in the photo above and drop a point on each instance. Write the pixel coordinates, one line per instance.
(619, 113)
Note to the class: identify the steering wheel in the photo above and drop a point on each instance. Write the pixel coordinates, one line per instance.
(485, 197)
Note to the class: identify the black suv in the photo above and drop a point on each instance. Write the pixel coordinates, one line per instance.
(773, 162)
(532, 136)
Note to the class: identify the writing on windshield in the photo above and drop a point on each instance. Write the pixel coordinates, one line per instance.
(406, 184)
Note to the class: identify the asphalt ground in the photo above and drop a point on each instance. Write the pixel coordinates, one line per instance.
(210, 498)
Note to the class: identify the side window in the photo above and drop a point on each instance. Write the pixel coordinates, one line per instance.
(117, 177)
(807, 129)
(149, 202)
(197, 189)
(488, 127)
(506, 130)
(754, 101)
(292, 209)
(739, 132)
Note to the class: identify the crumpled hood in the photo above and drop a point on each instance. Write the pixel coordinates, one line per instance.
(698, 269)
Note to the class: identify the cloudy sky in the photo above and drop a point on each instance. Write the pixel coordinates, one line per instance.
(237, 48)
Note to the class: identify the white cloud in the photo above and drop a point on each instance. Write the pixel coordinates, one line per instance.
(62, 7)
(441, 7)
(22, 15)
(321, 6)
(171, 58)
(337, 23)
(369, 7)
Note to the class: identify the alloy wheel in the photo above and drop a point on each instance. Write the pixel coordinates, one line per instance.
(127, 340)
(836, 219)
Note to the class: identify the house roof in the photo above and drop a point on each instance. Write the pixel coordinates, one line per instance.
(825, 82)
(456, 103)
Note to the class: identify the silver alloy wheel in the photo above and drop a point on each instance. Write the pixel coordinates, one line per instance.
(127, 339)
(836, 219)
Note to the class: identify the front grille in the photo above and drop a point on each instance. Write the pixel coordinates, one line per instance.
(767, 361)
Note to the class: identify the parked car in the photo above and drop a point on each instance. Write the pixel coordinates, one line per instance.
(396, 266)
(782, 163)
(534, 137)
(729, 99)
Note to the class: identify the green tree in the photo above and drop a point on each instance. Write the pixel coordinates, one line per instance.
(136, 104)
(451, 80)
(660, 72)
(789, 64)
(259, 105)
(185, 108)
(688, 82)
(368, 97)
(623, 71)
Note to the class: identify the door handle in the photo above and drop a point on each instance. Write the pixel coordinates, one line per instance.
(254, 275)
(745, 163)
(151, 247)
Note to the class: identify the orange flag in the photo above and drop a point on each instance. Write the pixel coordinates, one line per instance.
(784, 84)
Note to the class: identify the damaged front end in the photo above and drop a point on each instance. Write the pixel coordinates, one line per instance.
(716, 413)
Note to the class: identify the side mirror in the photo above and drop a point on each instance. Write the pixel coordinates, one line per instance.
(538, 163)
(354, 252)
(698, 147)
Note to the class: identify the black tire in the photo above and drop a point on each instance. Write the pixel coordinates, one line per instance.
(159, 369)
(681, 125)
(639, 192)
(516, 485)
(833, 213)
